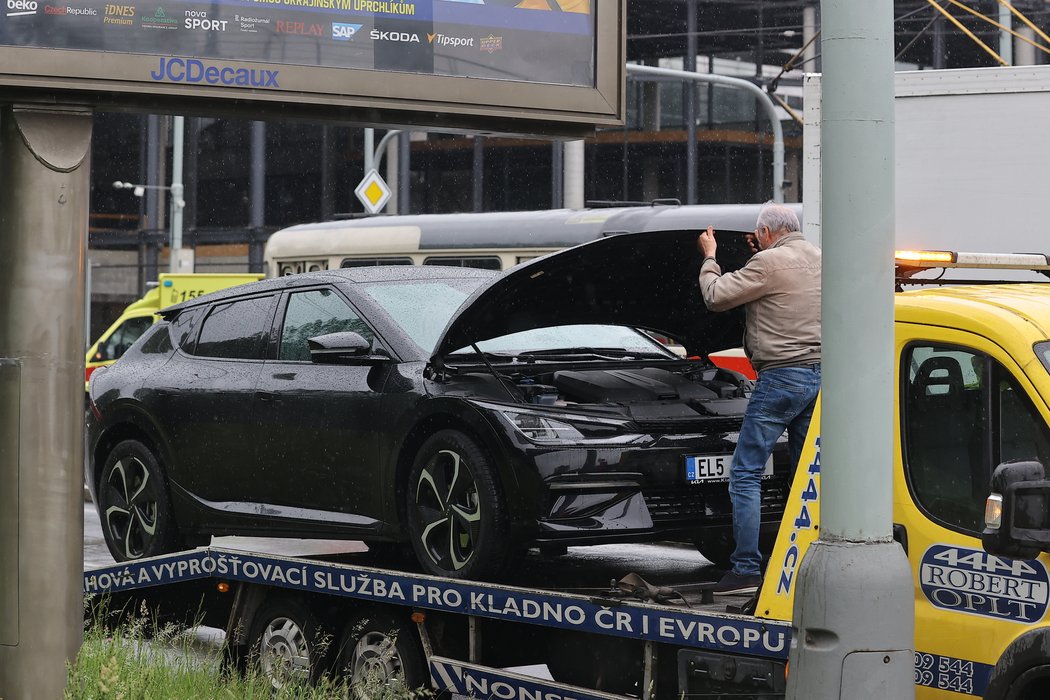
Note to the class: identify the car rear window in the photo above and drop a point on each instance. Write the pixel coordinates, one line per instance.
(237, 329)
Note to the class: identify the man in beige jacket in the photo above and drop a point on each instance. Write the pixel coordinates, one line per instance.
(779, 288)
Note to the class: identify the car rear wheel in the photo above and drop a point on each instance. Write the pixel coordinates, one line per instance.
(457, 520)
(133, 505)
(379, 656)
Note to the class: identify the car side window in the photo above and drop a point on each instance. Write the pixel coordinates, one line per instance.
(237, 329)
(122, 338)
(184, 327)
(963, 414)
(313, 313)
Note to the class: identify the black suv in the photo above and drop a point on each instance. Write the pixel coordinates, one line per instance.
(469, 413)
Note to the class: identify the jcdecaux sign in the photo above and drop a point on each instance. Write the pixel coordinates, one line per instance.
(192, 70)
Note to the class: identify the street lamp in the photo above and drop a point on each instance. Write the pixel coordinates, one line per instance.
(176, 188)
(177, 205)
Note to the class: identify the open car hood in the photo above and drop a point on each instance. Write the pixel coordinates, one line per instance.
(644, 280)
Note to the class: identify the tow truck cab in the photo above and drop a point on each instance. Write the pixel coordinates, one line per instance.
(141, 314)
(973, 384)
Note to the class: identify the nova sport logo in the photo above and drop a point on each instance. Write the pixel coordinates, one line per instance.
(191, 70)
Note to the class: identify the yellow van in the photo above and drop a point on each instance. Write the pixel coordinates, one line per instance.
(973, 385)
(137, 317)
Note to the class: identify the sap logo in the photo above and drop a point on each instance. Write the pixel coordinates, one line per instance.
(16, 8)
(190, 70)
(400, 37)
(344, 32)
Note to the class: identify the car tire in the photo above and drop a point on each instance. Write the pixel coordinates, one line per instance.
(289, 646)
(379, 656)
(456, 517)
(133, 505)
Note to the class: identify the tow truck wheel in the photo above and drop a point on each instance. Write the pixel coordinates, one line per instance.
(379, 653)
(137, 519)
(456, 518)
(289, 646)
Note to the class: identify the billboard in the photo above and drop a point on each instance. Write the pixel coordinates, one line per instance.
(494, 65)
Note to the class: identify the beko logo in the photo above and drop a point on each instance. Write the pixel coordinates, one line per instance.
(16, 8)
(400, 37)
(198, 19)
(191, 70)
(344, 32)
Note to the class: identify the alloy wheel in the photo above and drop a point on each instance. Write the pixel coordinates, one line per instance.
(376, 662)
(132, 510)
(449, 510)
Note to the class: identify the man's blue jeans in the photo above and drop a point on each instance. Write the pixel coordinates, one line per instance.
(782, 400)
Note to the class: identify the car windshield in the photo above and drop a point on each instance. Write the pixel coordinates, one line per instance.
(422, 308)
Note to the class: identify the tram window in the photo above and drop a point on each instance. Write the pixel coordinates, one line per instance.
(484, 263)
(374, 262)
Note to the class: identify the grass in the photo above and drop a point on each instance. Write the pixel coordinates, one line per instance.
(139, 661)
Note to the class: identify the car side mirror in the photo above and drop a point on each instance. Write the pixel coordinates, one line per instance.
(1017, 521)
(345, 347)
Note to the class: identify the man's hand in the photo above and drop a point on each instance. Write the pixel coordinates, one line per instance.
(706, 243)
(752, 242)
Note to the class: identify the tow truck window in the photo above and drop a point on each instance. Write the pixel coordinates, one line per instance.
(122, 338)
(483, 262)
(963, 415)
(313, 313)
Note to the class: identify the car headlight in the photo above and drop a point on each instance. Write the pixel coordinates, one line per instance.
(548, 429)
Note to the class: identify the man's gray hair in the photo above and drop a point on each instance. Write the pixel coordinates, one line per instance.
(778, 218)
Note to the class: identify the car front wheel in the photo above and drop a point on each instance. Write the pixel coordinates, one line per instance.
(457, 519)
(133, 505)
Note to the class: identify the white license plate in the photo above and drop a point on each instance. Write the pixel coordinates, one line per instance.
(703, 468)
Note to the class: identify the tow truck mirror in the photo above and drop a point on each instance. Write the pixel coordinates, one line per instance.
(1017, 520)
(341, 348)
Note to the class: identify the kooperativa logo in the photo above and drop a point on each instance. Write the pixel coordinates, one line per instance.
(17, 8)
(193, 71)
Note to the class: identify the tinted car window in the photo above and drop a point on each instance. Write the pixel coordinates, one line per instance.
(184, 328)
(236, 330)
(157, 343)
(313, 313)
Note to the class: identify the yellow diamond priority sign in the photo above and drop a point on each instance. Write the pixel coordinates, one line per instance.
(373, 192)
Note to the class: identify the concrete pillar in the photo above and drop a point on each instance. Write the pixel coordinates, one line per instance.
(44, 188)
(327, 168)
(393, 162)
(689, 103)
(478, 179)
(257, 197)
(853, 620)
(557, 175)
(1025, 53)
(574, 197)
(404, 172)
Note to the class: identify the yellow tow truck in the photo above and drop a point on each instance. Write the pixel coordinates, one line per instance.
(172, 288)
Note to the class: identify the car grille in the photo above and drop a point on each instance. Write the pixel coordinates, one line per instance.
(693, 425)
(682, 505)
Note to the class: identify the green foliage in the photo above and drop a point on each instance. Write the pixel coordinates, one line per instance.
(139, 660)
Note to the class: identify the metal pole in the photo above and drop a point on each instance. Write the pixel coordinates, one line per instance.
(177, 202)
(43, 244)
(370, 149)
(767, 105)
(853, 621)
(1006, 40)
(257, 201)
(479, 173)
(404, 172)
(689, 103)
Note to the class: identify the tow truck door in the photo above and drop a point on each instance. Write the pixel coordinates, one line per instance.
(964, 406)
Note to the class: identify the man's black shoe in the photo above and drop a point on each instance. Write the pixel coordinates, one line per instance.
(735, 584)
